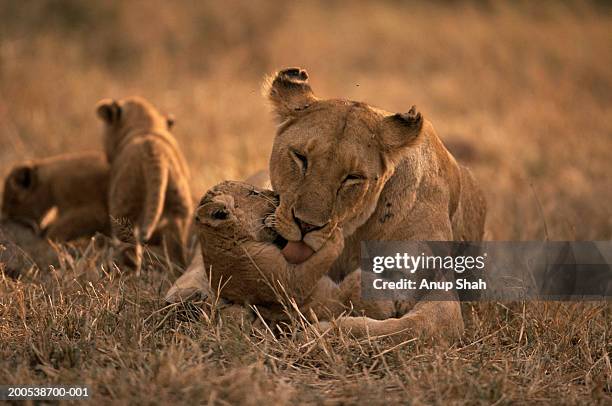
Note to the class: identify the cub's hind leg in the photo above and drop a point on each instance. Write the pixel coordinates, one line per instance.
(124, 231)
(174, 237)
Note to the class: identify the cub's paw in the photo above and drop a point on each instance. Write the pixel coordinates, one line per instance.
(237, 315)
(128, 257)
(324, 326)
(192, 285)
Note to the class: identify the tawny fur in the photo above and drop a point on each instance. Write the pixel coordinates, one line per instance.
(149, 188)
(247, 268)
(378, 175)
(75, 184)
(237, 241)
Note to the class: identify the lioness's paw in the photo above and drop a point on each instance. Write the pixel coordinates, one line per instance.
(356, 327)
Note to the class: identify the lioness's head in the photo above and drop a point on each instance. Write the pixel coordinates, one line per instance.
(25, 197)
(129, 116)
(331, 157)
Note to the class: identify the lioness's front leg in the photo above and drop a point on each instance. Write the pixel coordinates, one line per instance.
(430, 316)
(426, 319)
(330, 300)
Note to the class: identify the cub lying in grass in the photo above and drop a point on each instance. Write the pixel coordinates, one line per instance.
(246, 263)
(244, 253)
(76, 184)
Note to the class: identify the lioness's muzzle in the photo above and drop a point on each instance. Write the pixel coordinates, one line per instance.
(306, 227)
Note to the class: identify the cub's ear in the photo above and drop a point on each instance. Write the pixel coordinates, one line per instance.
(170, 120)
(109, 111)
(400, 131)
(289, 92)
(24, 177)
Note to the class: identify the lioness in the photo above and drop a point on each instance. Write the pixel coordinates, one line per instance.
(377, 175)
(76, 184)
(149, 186)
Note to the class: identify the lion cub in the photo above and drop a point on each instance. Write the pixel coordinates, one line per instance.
(149, 188)
(245, 256)
(76, 184)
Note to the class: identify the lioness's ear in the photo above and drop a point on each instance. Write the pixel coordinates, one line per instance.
(400, 131)
(289, 92)
(23, 177)
(170, 120)
(109, 111)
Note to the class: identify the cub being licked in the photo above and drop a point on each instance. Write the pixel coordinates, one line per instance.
(148, 187)
(247, 262)
(244, 254)
(75, 184)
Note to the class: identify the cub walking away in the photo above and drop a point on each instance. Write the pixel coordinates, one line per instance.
(149, 195)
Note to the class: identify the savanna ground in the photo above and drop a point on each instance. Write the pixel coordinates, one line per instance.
(522, 93)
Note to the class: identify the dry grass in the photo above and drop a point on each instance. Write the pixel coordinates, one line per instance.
(524, 93)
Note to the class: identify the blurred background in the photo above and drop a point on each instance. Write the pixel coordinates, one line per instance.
(521, 92)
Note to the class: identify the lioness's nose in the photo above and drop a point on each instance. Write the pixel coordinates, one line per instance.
(305, 227)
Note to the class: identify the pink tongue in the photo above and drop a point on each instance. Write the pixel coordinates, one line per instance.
(296, 252)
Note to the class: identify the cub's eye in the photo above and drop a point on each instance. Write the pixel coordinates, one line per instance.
(220, 214)
(300, 159)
